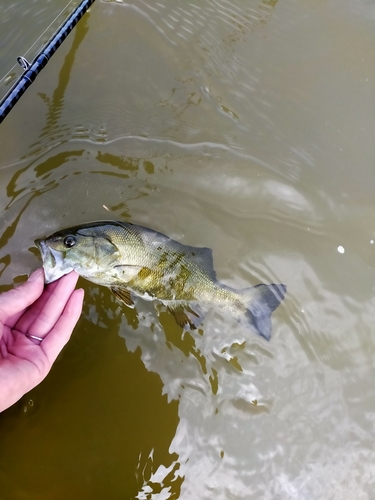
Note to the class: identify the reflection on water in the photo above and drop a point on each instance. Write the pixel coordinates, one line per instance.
(243, 127)
(53, 131)
(81, 426)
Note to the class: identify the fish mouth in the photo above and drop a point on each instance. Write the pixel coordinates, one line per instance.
(44, 250)
(53, 262)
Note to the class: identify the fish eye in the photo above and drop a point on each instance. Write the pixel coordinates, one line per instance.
(69, 241)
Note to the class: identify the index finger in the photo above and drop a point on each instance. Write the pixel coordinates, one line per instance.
(27, 318)
(42, 316)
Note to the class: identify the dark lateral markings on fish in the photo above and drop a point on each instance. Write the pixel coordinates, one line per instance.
(133, 261)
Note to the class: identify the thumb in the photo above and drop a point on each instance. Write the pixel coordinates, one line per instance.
(15, 301)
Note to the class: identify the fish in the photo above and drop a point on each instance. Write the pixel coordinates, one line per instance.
(136, 261)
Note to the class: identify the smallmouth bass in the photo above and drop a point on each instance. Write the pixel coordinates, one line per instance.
(133, 261)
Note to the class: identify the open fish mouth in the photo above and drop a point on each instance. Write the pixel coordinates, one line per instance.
(47, 256)
(53, 262)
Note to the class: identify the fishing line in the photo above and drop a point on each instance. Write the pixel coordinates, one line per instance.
(37, 40)
(31, 70)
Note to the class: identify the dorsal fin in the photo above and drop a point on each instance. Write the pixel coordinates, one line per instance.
(202, 256)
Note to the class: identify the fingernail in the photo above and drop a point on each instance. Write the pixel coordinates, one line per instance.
(35, 274)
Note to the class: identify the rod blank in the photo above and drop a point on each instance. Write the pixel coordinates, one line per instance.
(32, 70)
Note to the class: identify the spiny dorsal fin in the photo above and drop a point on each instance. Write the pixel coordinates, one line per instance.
(124, 295)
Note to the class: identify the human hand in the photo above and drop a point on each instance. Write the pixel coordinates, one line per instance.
(48, 313)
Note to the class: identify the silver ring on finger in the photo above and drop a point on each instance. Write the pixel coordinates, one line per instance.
(33, 337)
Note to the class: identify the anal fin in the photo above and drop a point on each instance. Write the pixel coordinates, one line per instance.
(186, 316)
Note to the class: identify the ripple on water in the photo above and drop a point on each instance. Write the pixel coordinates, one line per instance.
(222, 125)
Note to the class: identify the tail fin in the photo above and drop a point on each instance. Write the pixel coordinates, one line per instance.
(260, 302)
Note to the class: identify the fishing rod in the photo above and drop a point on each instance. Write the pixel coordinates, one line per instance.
(31, 70)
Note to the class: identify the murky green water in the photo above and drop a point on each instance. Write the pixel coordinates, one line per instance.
(244, 126)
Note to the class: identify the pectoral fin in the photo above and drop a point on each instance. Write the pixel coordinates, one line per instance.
(186, 316)
(124, 295)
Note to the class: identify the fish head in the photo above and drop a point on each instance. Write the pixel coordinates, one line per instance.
(86, 249)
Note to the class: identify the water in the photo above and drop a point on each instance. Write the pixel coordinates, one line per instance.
(246, 127)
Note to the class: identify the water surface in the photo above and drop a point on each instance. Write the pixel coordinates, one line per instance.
(243, 126)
